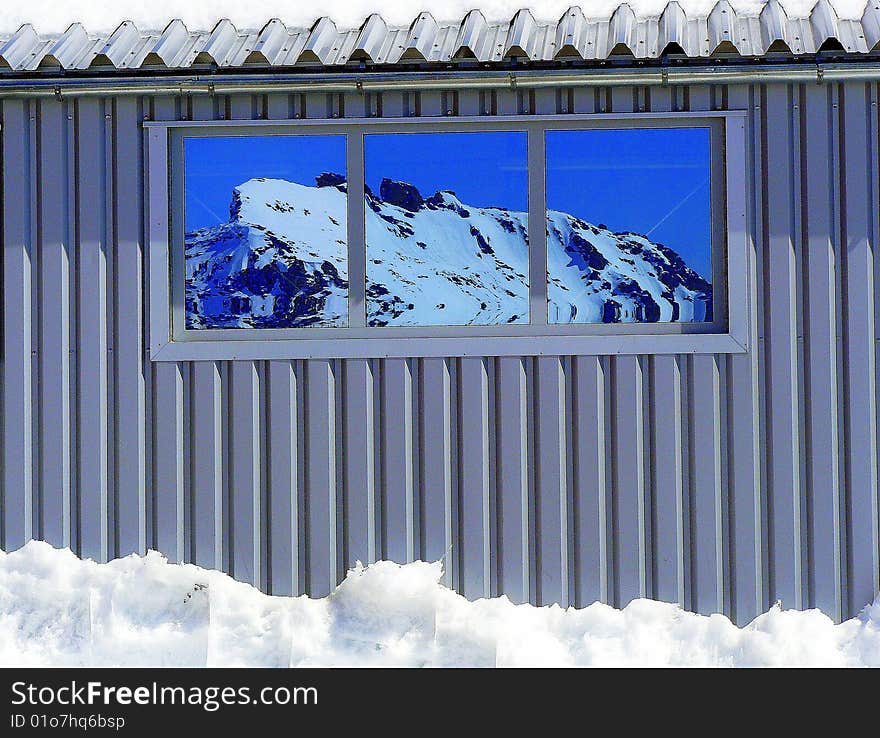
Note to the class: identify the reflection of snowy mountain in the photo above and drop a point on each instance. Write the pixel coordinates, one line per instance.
(280, 261)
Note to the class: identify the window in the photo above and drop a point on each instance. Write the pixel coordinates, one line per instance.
(453, 237)
(629, 234)
(265, 232)
(447, 228)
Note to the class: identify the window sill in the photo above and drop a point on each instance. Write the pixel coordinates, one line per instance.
(367, 348)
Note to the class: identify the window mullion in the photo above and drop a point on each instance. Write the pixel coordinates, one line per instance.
(357, 250)
(537, 227)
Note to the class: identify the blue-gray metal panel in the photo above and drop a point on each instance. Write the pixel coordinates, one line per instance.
(858, 208)
(437, 463)
(54, 326)
(92, 251)
(783, 372)
(551, 467)
(473, 486)
(708, 496)
(360, 455)
(591, 478)
(511, 435)
(246, 481)
(17, 377)
(206, 444)
(397, 460)
(321, 472)
(628, 459)
(129, 343)
(283, 478)
(744, 413)
(822, 350)
(666, 481)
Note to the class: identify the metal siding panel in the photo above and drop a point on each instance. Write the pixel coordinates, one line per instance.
(822, 353)
(397, 490)
(437, 476)
(707, 495)
(54, 333)
(859, 202)
(783, 445)
(92, 330)
(283, 479)
(129, 343)
(744, 419)
(320, 459)
(17, 284)
(590, 473)
(551, 465)
(246, 448)
(360, 476)
(511, 435)
(667, 480)
(206, 463)
(628, 454)
(473, 482)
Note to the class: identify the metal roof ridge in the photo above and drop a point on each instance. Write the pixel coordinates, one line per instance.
(718, 29)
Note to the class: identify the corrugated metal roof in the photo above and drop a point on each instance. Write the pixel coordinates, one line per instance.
(723, 31)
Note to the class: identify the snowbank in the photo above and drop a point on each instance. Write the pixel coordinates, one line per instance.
(58, 610)
(54, 16)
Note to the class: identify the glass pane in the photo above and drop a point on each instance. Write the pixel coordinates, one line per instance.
(446, 228)
(629, 226)
(265, 225)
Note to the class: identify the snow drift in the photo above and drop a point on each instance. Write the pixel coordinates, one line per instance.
(58, 610)
(280, 261)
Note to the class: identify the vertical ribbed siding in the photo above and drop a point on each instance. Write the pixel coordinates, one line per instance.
(723, 483)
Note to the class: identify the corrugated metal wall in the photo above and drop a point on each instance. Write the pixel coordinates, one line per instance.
(722, 482)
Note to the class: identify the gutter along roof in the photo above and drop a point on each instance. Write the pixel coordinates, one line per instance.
(473, 42)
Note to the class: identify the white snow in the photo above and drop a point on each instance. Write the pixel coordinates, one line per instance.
(59, 610)
(54, 16)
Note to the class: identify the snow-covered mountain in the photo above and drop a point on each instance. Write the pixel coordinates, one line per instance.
(280, 261)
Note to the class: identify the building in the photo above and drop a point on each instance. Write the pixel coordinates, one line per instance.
(692, 422)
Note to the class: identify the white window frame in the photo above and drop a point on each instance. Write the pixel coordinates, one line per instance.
(171, 341)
